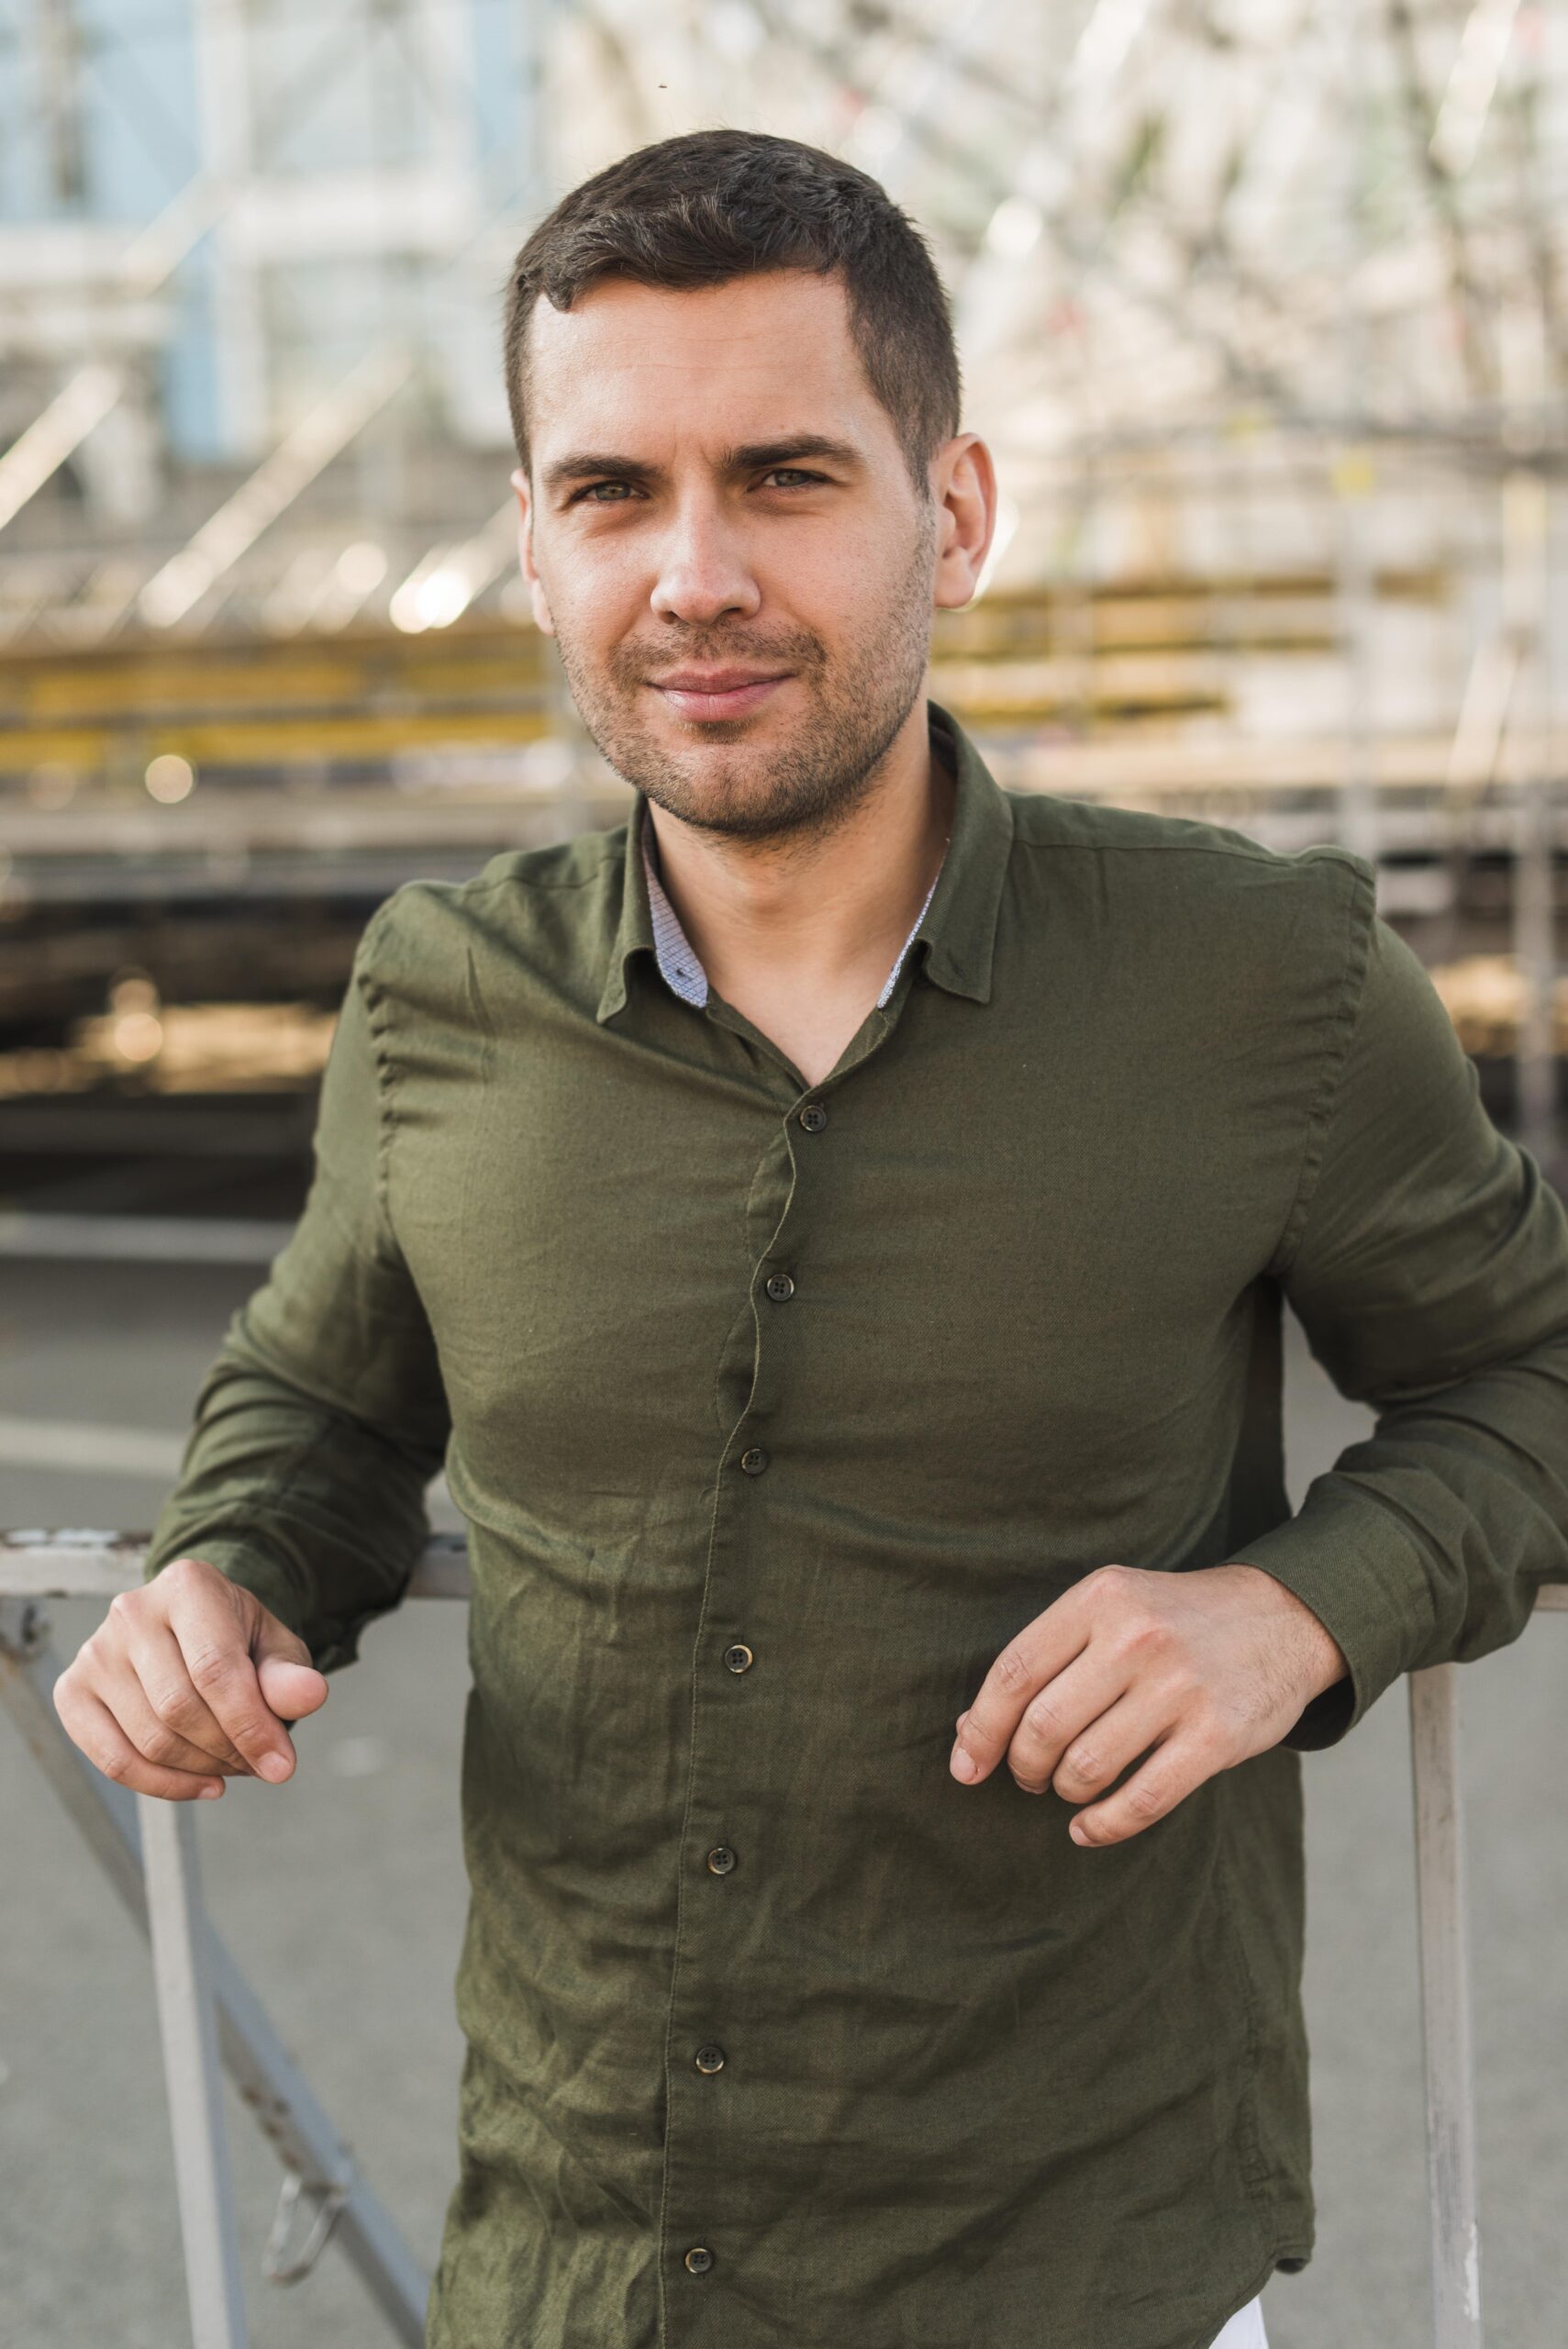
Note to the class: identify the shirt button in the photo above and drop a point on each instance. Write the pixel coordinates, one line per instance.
(699, 2259)
(814, 1117)
(754, 1461)
(780, 1288)
(739, 1657)
(709, 2059)
(721, 1859)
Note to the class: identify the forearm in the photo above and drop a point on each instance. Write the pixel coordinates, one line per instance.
(319, 1513)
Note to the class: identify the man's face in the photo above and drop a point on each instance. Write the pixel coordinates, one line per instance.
(728, 547)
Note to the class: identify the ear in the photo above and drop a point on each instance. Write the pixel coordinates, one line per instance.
(964, 483)
(526, 563)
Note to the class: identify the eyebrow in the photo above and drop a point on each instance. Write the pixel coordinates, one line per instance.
(585, 464)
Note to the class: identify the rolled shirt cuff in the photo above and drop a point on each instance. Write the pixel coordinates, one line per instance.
(1369, 1584)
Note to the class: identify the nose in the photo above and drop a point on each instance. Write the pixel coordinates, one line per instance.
(704, 574)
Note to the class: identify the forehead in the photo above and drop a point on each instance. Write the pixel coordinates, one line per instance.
(738, 361)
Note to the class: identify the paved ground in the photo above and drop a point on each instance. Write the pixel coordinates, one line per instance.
(343, 1895)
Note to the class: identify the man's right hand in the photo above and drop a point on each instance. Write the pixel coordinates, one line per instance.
(187, 1681)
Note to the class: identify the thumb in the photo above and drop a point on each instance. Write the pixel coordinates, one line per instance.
(289, 1682)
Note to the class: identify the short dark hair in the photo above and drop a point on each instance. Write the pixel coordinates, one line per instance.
(715, 205)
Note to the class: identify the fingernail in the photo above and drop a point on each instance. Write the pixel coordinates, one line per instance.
(965, 1765)
(274, 1766)
(1077, 1834)
(208, 1791)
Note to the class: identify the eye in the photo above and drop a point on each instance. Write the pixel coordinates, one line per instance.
(587, 493)
(797, 471)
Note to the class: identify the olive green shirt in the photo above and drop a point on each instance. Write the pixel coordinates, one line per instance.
(774, 1410)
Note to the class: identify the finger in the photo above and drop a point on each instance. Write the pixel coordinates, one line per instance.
(1177, 1765)
(1093, 1761)
(126, 1700)
(218, 1662)
(1039, 1651)
(1067, 1709)
(290, 1683)
(155, 1658)
(95, 1729)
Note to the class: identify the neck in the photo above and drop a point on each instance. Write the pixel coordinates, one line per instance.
(830, 911)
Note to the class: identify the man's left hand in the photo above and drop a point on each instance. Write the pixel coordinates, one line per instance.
(1205, 1668)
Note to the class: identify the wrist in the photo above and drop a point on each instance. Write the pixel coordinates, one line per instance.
(1322, 1660)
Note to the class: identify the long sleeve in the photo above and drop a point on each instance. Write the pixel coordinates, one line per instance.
(324, 1416)
(1427, 1261)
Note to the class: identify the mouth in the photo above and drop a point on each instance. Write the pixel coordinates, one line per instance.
(721, 693)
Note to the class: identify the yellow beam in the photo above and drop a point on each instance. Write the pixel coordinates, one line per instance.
(282, 741)
(165, 688)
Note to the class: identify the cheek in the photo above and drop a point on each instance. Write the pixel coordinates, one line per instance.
(863, 585)
(595, 599)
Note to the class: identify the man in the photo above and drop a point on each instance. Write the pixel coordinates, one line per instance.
(834, 1229)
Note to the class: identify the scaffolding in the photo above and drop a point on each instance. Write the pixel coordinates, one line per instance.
(1261, 306)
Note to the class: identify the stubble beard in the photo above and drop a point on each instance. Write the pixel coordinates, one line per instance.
(812, 780)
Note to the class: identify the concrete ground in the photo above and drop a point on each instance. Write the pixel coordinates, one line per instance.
(342, 1895)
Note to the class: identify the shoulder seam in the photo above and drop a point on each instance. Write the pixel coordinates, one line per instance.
(1251, 852)
(1363, 914)
(378, 1022)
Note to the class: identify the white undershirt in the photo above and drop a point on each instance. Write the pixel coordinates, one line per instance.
(1245, 2329)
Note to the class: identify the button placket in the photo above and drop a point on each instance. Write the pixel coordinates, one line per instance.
(694, 2175)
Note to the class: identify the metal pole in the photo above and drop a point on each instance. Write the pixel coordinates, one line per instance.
(182, 1972)
(1445, 2010)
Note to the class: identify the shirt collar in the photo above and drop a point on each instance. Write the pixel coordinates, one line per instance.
(679, 964)
(957, 924)
(673, 948)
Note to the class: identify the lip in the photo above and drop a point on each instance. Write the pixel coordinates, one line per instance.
(717, 693)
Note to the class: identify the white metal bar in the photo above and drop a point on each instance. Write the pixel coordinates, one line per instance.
(69, 1562)
(40, 451)
(181, 1972)
(1445, 2010)
(83, 1562)
(138, 1239)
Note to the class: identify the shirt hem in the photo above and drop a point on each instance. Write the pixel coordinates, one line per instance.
(1296, 2247)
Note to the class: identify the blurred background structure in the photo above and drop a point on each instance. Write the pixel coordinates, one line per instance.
(1263, 307)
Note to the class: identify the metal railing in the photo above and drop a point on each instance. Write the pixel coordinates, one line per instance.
(209, 2018)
